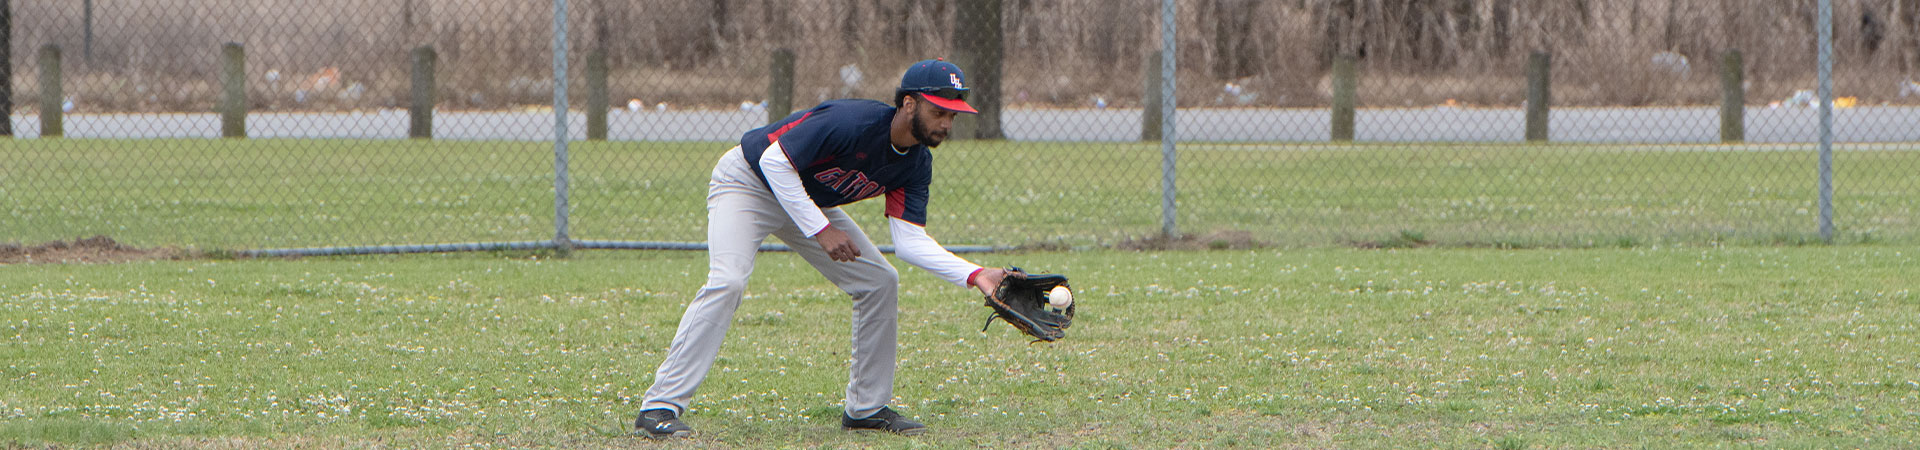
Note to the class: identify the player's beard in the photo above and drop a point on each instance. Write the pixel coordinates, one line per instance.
(922, 134)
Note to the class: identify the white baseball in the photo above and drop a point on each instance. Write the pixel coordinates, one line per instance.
(1060, 297)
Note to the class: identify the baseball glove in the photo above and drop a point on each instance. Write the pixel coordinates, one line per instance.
(1022, 300)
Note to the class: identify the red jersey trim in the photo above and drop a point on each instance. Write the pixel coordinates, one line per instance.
(897, 206)
(775, 135)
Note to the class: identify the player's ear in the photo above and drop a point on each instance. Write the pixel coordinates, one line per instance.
(910, 104)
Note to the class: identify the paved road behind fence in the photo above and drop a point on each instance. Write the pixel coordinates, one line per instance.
(1598, 125)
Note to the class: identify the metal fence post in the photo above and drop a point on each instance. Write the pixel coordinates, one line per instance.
(1168, 210)
(560, 181)
(1826, 120)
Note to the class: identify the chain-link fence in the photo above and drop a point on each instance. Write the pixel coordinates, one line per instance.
(250, 124)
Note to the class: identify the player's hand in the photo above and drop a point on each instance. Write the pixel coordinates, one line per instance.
(988, 279)
(838, 245)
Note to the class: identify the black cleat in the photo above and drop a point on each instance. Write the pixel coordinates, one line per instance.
(661, 424)
(883, 420)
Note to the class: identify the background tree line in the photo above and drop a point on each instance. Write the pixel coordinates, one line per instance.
(153, 54)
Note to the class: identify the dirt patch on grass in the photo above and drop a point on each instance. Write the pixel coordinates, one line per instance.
(93, 250)
(1405, 239)
(1217, 240)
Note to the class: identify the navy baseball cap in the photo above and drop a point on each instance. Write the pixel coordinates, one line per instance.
(940, 83)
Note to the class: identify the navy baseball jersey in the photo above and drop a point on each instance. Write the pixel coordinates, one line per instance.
(844, 153)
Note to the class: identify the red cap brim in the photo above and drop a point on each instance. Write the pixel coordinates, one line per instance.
(950, 104)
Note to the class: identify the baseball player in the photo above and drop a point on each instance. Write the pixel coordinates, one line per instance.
(788, 179)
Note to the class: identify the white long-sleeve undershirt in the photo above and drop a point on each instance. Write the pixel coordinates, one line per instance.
(912, 244)
(784, 180)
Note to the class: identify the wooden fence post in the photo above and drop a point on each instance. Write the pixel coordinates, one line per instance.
(421, 109)
(780, 85)
(233, 104)
(597, 101)
(51, 93)
(1733, 98)
(1345, 89)
(1150, 99)
(1539, 95)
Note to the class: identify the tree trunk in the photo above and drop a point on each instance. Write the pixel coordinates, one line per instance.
(1502, 28)
(977, 41)
(6, 67)
(1671, 38)
(1232, 25)
(1906, 26)
(1337, 31)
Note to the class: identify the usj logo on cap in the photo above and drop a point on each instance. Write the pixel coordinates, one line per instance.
(938, 82)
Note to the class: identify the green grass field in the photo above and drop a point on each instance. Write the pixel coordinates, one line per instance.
(1651, 346)
(234, 194)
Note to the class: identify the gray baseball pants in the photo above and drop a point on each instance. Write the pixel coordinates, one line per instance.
(741, 212)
